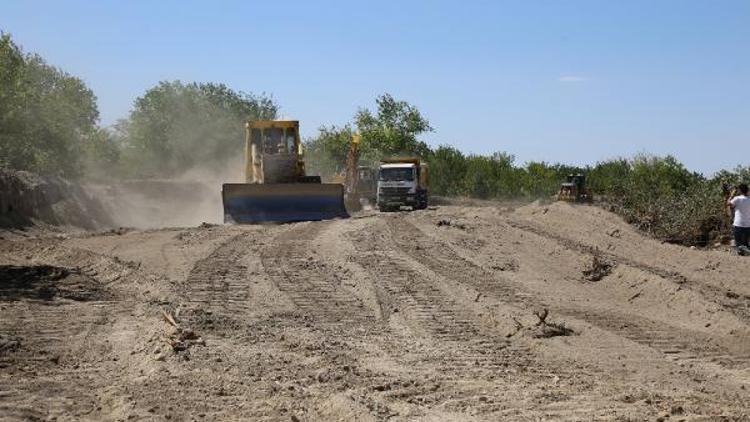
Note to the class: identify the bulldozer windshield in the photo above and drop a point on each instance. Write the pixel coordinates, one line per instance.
(276, 140)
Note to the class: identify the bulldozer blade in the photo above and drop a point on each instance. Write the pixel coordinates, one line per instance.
(246, 203)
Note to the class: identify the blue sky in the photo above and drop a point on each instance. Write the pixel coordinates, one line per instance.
(569, 81)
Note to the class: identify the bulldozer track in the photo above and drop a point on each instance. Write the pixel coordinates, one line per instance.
(674, 343)
(385, 317)
(442, 318)
(441, 259)
(314, 289)
(219, 282)
(459, 350)
(44, 330)
(467, 350)
(737, 305)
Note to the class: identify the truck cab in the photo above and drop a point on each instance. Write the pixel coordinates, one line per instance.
(402, 183)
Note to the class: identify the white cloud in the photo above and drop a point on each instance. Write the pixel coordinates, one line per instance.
(571, 78)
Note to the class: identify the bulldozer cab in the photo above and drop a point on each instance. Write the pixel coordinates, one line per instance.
(273, 152)
(578, 180)
(275, 140)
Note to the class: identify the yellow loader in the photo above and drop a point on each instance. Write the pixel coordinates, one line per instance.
(277, 188)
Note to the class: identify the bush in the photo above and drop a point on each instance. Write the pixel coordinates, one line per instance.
(660, 196)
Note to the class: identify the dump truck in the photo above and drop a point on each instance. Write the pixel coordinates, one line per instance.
(402, 182)
(276, 187)
(574, 189)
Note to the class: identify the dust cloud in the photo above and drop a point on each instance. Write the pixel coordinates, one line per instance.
(190, 199)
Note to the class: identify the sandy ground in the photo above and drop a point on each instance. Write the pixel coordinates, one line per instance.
(540, 312)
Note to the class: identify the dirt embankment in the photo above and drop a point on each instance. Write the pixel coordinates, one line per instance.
(540, 312)
(27, 199)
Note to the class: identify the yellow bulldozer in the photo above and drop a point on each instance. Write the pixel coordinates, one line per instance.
(276, 188)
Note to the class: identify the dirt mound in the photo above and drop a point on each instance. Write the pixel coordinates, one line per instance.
(27, 199)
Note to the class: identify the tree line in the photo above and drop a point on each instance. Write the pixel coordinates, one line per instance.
(49, 123)
(657, 194)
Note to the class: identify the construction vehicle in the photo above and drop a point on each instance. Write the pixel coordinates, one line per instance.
(359, 181)
(276, 188)
(360, 186)
(367, 185)
(402, 182)
(574, 189)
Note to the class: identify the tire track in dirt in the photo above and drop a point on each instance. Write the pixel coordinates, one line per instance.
(45, 341)
(682, 346)
(306, 279)
(332, 312)
(441, 316)
(673, 343)
(735, 304)
(44, 331)
(474, 362)
(218, 283)
(67, 356)
(337, 314)
(441, 258)
(326, 327)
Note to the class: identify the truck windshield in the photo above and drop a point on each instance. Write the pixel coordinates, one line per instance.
(397, 174)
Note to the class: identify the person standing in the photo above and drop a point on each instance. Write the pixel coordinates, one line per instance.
(740, 204)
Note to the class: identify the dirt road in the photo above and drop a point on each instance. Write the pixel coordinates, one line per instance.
(542, 312)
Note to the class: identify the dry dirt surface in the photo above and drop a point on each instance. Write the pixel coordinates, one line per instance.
(457, 313)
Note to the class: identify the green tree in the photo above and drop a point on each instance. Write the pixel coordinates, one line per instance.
(326, 153)
(46, 115)
(175, 126)
(103, 154)
(610, 177)
(393, 129)
(448, 168)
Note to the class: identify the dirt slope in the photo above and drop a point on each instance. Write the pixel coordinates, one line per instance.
(430, 315)
(28, 200)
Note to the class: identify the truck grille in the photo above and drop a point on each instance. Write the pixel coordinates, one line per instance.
(394, 191)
